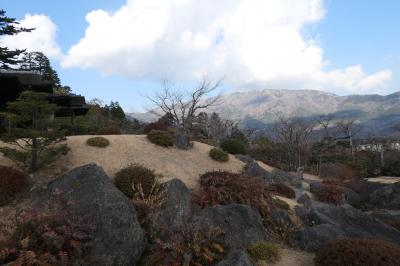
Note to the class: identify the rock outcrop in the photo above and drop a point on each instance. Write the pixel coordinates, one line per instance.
(117, 237)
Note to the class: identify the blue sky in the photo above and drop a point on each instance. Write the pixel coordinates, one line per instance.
(339, 46)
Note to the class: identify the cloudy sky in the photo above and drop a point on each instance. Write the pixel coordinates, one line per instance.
(123, 49)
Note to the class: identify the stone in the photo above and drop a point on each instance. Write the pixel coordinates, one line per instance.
(174, 209)
(387, 197)
(117, 237)
(240, 224)
(342, 221)
(236, 258)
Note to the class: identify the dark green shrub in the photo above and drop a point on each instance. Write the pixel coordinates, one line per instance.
(219, 155)
(263, 251)
(226, 188)
(282, 190)
(109, 131)
(210, 142)
(135, 179)
(99, 142)
(155, 126)
(354, 251)
(233, 146)
(161, 138)
(391, 168)
(11, 182)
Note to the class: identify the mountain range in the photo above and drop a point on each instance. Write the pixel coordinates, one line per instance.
(379, 115)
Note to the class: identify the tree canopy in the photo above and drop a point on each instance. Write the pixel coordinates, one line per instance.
(9, 26)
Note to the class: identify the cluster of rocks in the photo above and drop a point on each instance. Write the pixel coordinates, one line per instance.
(120, 240)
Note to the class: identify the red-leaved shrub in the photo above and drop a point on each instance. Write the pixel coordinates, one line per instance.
(330, 194)
(225, 188)
(282, 190)
(48, 239)
(355, 251)
(12, 182)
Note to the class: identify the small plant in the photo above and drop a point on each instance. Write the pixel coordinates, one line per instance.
(263, 251)
(99, 142)
(281, 204)
(192, 246)
(135, 179)
(226, 188)
(330, 194)
(109, 131)
(282, 190)
(219, 155)
(161, 138)
(233, 146)
(12, 182)
(355, 251)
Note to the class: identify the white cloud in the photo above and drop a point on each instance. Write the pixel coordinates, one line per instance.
(248, 42)
(42, 39)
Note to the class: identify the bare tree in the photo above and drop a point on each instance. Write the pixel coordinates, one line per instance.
(350, 129)
(294, 134)
(184, 106)
(325, 121)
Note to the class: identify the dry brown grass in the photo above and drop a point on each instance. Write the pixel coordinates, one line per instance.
(186, 165)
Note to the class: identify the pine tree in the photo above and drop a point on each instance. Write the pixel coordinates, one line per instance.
(9, 26)
(30, 131)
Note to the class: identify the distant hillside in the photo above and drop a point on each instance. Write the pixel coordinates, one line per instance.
(259, 108)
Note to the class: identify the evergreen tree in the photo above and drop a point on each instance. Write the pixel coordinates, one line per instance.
(30, 130)
(9, 26)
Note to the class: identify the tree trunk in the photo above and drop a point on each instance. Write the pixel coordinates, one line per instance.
(35, 150)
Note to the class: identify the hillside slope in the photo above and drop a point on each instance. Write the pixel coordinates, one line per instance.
(128, 149)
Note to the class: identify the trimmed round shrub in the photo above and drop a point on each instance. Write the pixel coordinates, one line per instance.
(219, 155)
(12, 182)
(109, 131)
(355, 251)
(99, 142)
(161, 138)
(128, 180)
(282, 190)
(226, 188)
(263, 251)
(330, 194)
(233, 146)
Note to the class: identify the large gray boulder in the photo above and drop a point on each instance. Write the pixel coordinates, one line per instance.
(328, 222)
(87, 192)
(387, 197)
(240, 224)
(174, 209)
(236, 258)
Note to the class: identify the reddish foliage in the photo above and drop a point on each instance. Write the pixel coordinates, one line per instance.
(47, 239)
(348, 251)
(11, 182)
(226, 188)
(282, 190)
(330, 194)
